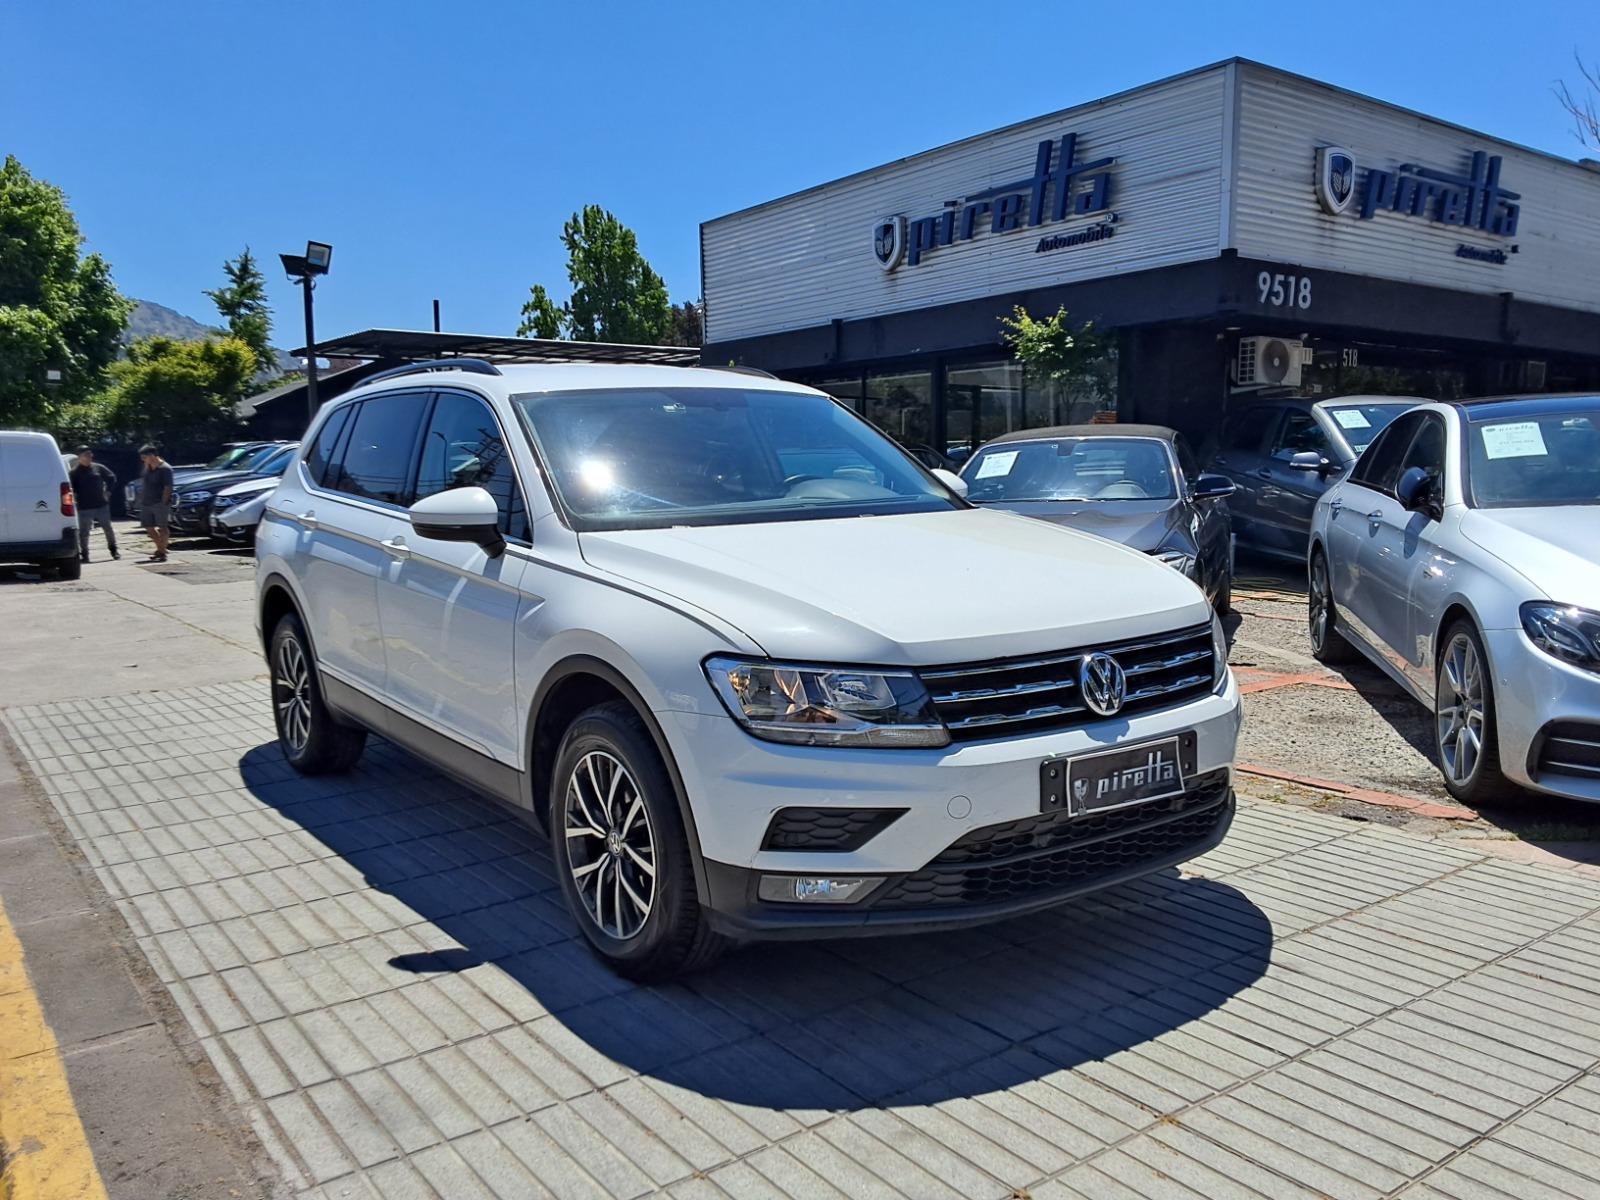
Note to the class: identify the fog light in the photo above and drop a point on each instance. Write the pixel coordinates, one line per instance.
(815, 889)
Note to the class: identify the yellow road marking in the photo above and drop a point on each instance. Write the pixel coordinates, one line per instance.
(46, 1155)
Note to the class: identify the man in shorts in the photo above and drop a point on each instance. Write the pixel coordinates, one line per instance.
(155, 500)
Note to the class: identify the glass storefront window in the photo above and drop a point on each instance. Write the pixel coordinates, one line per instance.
(846, 389)
(982, 401)
(901, 404)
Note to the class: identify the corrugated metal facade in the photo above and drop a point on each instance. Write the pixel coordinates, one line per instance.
(806, 260)
(1283, 120)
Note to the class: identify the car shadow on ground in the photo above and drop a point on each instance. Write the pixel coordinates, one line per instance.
(835, 1025)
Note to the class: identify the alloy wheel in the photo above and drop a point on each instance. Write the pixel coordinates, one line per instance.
(1321, 607)
(611, 847)
(291, 684)
(1460, 710)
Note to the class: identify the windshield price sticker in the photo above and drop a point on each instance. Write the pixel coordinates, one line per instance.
(1519, 439)
(997, 464)
(1351, 418)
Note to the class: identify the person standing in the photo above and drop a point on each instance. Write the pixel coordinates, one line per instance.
(92, 487)
(155, 500)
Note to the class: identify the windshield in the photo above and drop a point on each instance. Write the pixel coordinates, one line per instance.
(1362, 423)
(1094, 468)
(228, 457)
(1544, 459)
(651, 457)
(275, 463)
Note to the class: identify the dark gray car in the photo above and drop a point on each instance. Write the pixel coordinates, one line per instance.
(1282, 453)
(1134, 484)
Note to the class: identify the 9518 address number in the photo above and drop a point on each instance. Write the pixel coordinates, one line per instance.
(1281, 290)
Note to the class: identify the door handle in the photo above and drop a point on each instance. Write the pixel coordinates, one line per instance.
(1375, 515)
(1263, 473)
(308, 519)
(396, 547)
(1335, 507)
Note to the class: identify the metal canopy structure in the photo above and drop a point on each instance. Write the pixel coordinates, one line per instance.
(415, 345)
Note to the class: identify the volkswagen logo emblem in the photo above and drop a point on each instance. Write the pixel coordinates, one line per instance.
(889, 241)
(1102, 683)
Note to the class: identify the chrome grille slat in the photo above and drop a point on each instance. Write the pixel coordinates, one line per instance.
(991, 699)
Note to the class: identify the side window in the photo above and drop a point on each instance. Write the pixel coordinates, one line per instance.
(1186, 459)
(1426, 450)
(1298, 433)
(463, 448)
(379, 451)
(1245, 429)
(322, 450)
(1379, 467)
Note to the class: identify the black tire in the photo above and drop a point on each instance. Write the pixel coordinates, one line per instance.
(654, 929)
(1328, 645)
(314, 742)
(69, 568)
(1223, 601)
(1478, 781)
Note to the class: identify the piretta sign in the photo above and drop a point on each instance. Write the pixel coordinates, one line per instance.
(1060, 187)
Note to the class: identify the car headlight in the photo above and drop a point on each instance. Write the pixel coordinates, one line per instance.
(222, 502)
(827, 706)
(1219, 650)
(193, 497)
(1179, 560)
(1564, 632)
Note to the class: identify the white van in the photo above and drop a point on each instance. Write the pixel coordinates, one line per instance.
(38, 519)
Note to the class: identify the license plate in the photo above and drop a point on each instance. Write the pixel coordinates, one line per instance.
(1115, 778)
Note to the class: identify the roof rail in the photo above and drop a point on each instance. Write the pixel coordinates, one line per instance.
(475, 366)
(740, 368)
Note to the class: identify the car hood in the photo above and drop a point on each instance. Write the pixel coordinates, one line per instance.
(1137, 524)
(915, 589)
(211, 480)
(251, 485)
(1557, 549)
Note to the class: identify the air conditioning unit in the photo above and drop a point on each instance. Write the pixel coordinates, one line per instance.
(1270, 362)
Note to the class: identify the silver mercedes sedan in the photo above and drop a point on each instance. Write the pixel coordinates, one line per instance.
(1461, 555)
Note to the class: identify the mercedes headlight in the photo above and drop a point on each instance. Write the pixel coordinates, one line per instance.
(1564, 632)
(193, 497)
(1178, 559)
(827, 706)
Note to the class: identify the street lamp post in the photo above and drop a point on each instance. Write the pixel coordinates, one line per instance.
(304, 269)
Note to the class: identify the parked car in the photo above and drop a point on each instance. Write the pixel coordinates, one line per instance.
(38, 517)
(192, 498)
(1462, 556)
(234, 456)
(1134, 484)
(1283, 453)
(237, 509)
(758, 672)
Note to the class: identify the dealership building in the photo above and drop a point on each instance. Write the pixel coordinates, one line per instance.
(1236, 231)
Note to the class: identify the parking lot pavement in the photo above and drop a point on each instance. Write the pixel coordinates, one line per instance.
(379, 968)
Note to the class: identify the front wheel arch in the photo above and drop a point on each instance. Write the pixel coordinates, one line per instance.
(566, 691)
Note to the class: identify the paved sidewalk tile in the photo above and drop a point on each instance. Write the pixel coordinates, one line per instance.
(381, 969)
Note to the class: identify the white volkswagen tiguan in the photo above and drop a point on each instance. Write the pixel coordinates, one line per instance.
(757, 672)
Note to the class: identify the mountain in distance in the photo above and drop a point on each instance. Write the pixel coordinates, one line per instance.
(150, 319)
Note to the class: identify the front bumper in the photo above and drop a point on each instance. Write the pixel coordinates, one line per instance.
(1014, 869)
(738, 784)
(193, 518)
(1538, 698)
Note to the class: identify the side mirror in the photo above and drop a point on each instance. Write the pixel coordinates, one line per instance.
(1415, 492)
(466, 514)
(1310, 460)
(1213, 487)
(952, 481)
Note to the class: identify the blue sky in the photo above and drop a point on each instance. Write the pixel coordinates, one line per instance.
(439, 146)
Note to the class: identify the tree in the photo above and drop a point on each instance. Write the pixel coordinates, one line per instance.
(59, 311)
(685, 325)
(541, 316)
(1079, 364)
(243, 302)
(181, 395)
(1583, 108)
(616, 295)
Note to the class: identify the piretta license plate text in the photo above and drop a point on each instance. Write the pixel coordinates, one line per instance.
(1112, 778)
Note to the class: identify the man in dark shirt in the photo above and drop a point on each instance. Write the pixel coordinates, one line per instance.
(92, 485)
(155, 499)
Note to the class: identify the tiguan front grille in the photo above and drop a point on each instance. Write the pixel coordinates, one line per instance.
(1005, 697)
